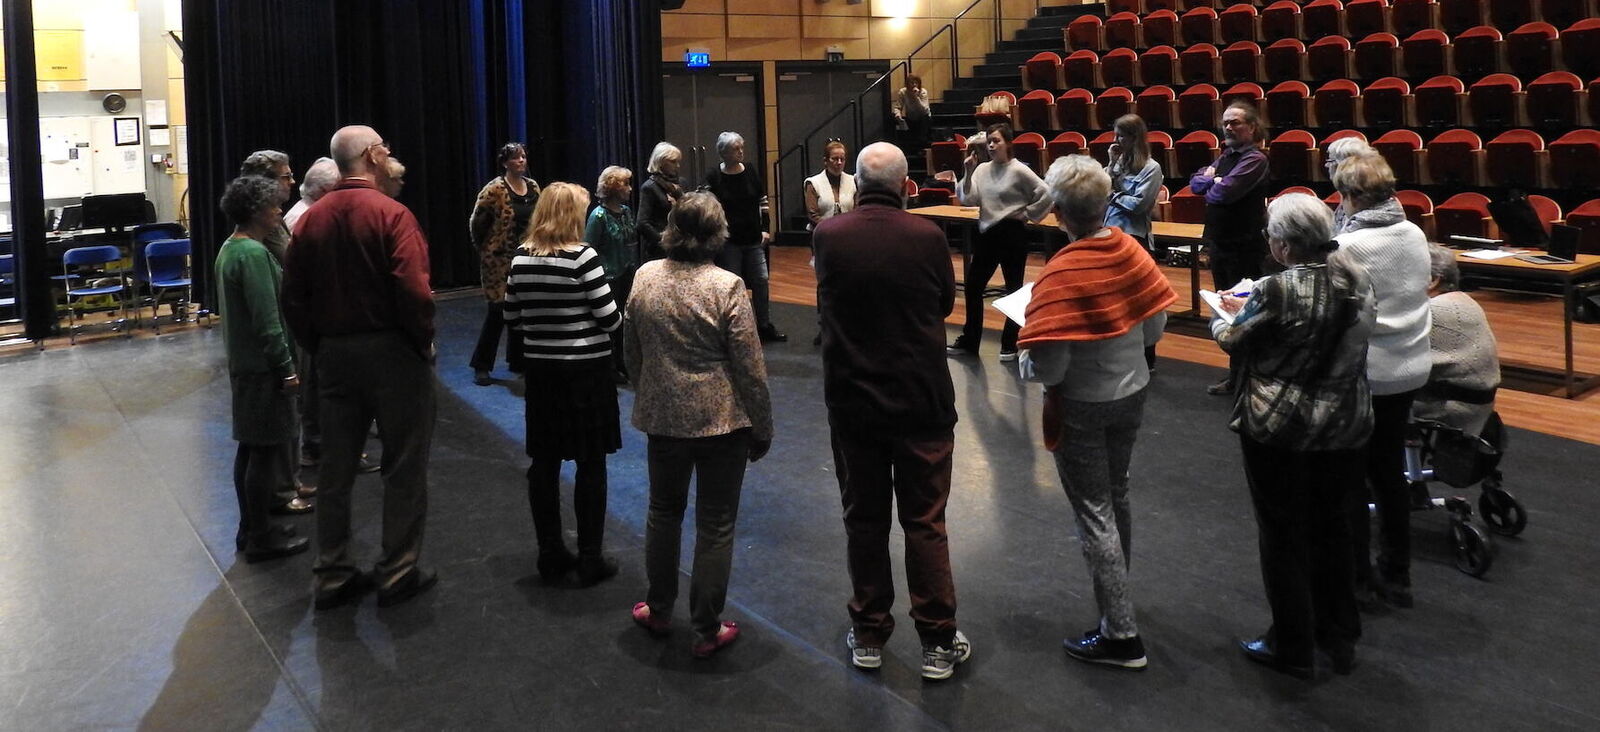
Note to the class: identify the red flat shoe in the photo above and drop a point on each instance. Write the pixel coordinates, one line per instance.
(643, 618)
(726, 635)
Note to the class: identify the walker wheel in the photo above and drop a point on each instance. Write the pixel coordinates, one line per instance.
(1502, 512)
(1474, 548)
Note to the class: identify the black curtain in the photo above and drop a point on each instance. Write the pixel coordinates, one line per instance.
(436, 79)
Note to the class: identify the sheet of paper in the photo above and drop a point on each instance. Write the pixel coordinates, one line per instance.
(1489, 254)
(160, 136)
(155, 112)
(1015, 305)
(1214, 301)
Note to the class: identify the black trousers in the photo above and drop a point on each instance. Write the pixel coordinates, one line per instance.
(588, 503)
(1304, 530)
(1004, 245)
(258, 472)
(494, 322)
(1385, 470)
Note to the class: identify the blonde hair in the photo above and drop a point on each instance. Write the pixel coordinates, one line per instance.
(557, 221)
(1366, 180)
(611, 180)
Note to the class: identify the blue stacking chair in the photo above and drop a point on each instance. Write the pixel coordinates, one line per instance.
(142, 235)
(8, 286)
(166, 267)
(97, 263)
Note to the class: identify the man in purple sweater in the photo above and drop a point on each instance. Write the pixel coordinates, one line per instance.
(884, 287)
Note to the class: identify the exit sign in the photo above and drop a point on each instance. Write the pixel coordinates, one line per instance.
(697, 59)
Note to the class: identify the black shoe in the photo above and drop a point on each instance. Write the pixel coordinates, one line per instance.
(366, 465)
(1396, 591)
(770, 334)
(555, 564)
(1093, 647)
(962, 347)
(1260, 650)
(305, 490)
(293, 507)
(416, 582)
(817, 341)
(310, 456)
(1221, 388)
(277, 548)
(277, 531)
(347, 593)
(593, 570)
(481, 377)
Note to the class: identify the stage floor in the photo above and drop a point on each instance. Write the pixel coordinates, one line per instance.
(124, 604)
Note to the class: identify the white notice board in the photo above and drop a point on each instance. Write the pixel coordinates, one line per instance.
(117, 168)
(65, 148)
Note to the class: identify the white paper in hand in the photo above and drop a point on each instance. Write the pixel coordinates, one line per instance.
(1214, 301)
(1015, 305)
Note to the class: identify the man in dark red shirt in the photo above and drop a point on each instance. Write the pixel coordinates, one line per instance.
(355, 292)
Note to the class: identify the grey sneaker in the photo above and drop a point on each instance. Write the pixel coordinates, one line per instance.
(939, 662)
(865, 657)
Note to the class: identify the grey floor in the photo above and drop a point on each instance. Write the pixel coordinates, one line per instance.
(123, 605)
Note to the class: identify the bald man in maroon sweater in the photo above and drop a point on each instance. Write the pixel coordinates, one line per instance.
(356, 293)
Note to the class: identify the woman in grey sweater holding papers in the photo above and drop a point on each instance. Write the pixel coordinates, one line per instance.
(1007, 195)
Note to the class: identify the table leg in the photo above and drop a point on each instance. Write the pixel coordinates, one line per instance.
(1194, 279)
(1568, 295)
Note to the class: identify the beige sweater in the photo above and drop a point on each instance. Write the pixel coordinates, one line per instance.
(1464, 355)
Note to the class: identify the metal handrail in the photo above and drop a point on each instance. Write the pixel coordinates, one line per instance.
(854, 105)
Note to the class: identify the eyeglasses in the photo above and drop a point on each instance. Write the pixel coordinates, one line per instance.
(381, 143)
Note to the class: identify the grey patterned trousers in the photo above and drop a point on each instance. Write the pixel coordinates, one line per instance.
(1092, 456)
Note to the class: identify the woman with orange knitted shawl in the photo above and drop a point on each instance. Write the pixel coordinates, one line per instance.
(1096, 306)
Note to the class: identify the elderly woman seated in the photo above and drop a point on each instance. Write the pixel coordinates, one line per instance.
(1466, 369)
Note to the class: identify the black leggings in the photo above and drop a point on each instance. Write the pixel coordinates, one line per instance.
(1004, 245)
(588, 503)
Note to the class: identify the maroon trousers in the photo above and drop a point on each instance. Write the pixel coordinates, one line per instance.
(875, 470)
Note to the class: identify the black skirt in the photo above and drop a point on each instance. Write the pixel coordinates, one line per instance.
(571, 409)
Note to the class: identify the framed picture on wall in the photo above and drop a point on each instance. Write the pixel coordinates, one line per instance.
(126, 130)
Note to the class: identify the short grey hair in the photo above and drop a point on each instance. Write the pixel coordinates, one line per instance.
(1081, 189)
(881, 167)
(662, 152)
(321, 177)
(248, 195)
(727, 140)
(1442, 267)
(697, 228)
(1303, 223)
(264, 163)
(1348, 147)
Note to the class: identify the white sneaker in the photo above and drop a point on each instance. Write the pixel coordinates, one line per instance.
(939, 662)
(865, 657)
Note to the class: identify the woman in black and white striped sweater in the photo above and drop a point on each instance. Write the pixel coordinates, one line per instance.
(563, 312)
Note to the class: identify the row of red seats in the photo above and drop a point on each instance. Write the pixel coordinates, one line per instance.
(1452, 15)
(1288, 19)
(1556, 100)
(1478, 51)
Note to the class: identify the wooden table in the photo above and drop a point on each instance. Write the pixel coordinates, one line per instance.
(1569, 276)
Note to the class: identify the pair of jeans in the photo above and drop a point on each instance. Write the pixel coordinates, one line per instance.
(483, 354)
(1304, 537)
(1094, 449)
(719, 463)
(1391, 491)
(1004, 245)
(365, 377)
(749, 261)
(876, 471)
(588, 503)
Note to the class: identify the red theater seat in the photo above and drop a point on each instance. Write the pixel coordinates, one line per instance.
(1514, 158)
(1290, 157)
(1036, 110)
(1383, 102)
(1456, 16)
(946, 155)
(1426, 52)
(1364, 17)
(1074, 109)
(1575, 159)
(1285, 60)
(1084, 32)
(1477, 50)
(1466, 214)
(1322, 18)
(1194, 151)
(1111, 104)
(1494, 100)
(1553, 99)
(1198, 106)
(1439, 101)
(1199, 25)
(1161, 28)
(1159, 65)
(1340, 135)
(1329, 58)
(1510, 13)
(1199, 63)
(1122, 31)
(1188, 207)
(1241, 61)
(1028, 149)
(1043, 71)
(1587, 219)
(1245, 91)
(1580, 48)
(1375, 56)
(1295, 189)
(1335, 103)
(1419, 209)
(1066, 143)
(1081, 68)
(1287, 104)
(1100, 147)
(1280, 20)
(1594, 99)
(1161, 148)
(1154, 104)
(1403, 150)
(1410, 16)
(1454, 158)
(1530, 49)
(1548, 211)
(1237, 23)
(1116, 67)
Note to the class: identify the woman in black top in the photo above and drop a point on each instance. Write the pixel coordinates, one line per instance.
(656, 197)
(738, 188)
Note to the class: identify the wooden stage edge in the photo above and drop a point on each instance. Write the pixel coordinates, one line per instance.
(1510, 315)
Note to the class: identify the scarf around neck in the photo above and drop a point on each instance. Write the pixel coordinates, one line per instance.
(1095, 289)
